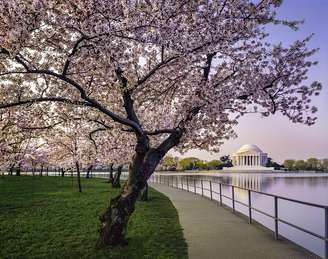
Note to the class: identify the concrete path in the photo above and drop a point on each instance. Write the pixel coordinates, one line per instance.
(213, 232)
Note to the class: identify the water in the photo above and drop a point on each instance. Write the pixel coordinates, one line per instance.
(305, 187)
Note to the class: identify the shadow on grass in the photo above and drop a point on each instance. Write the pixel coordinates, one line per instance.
(45, 217)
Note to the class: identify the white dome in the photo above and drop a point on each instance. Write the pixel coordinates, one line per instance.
(249, 148)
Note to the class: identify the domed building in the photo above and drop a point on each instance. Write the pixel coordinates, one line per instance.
(249, 157)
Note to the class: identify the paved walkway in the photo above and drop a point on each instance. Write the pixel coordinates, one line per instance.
(214, 232)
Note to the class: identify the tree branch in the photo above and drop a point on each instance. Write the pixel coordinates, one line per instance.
(43, 99)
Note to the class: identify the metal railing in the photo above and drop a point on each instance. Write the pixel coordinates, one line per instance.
(173, 181)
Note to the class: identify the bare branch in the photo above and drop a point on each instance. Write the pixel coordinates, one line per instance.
(43, 99)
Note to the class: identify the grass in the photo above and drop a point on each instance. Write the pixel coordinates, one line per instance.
(45, 217)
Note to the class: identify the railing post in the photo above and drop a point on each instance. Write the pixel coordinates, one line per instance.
(233, 198)
(211, 190)
(276, 232)
(326, 233)
(181, 182)
(187, 184)
(220, 194)
(194, 185)
(249, 207)
(201, 184)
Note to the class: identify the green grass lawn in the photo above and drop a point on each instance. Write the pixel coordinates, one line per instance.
(45, 217)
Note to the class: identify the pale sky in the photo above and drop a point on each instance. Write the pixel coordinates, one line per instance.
(276, 135)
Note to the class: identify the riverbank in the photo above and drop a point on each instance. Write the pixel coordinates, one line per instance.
(45, 217)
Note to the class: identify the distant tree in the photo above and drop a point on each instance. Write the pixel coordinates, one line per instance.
(313, 164)
(324, 164)
(201, 164)
(188, 163)
(170, 163)
(300, 165)
(289, 164)
(214, 164)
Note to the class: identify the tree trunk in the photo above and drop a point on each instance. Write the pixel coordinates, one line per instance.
(78, 176)
(47, 172)
(89, 171)
(11, 170)
(18, 170)
(111, 177)
(144, 193)
(41, 170)
(33, 171)
(62, 172)
(114, 220)
(117, 178)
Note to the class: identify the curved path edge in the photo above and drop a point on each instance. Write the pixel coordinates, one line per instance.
(213, 232)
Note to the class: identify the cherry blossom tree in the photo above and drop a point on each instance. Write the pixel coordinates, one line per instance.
(171, 74)
(69, 145)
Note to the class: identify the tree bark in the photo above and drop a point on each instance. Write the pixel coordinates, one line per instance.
(144, 193)
(89, 169)
(111, 177)
(18, 170)
(117, 178)
(78, 176)
(11, 170)
(115, 218)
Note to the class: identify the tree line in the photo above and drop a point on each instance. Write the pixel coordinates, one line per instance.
(310, 164)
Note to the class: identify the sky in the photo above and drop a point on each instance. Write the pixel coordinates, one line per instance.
(276, 135)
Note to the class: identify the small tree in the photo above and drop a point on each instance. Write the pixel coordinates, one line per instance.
(300, 165)
(289, 164)
(313, 164)
(214, 164)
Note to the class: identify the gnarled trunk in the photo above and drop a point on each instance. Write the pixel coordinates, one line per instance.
(111, 177)
(114, 220)
(89, 170)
